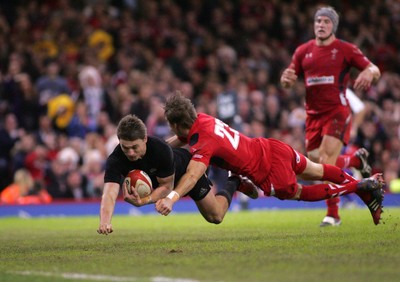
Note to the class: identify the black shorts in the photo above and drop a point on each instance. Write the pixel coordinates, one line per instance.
(202, 187)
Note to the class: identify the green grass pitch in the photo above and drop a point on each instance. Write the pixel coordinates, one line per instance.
(282, 245)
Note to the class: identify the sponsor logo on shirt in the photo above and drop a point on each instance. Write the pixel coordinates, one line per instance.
(320, 80)
(197, 156)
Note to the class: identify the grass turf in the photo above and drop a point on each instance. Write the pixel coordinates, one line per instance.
(285, 245)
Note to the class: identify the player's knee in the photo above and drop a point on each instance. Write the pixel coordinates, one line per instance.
(290, 192)
(216, 219)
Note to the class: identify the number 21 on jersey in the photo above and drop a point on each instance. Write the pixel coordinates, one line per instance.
(223, 130)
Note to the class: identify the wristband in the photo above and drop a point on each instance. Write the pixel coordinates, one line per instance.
(173, 194)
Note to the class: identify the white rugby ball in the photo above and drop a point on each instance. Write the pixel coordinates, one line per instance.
(139, 180)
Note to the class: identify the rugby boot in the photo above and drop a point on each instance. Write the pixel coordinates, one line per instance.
(365, 168)
(372, 194)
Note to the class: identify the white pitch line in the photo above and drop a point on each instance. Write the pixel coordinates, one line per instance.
(84, 276)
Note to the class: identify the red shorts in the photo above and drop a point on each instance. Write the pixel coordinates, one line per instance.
(336, 123)
(286, 163)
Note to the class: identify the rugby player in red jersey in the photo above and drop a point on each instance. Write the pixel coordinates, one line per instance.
(270, 164)
(325, 62)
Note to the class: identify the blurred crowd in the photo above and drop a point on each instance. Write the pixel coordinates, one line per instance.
(69, 70)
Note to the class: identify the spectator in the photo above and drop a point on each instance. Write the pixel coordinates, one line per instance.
(36, 162)
(156, 124)
(93, 169)
(141, 106)
(45, 133)
(69, 158)
(10, 133)
(22, 149)
(81, 122)
(92, 92)
(51, 83)
(125, 99)
(55, 179)
(10, 95)
(28, 109)
(76, 184)
(23, 191)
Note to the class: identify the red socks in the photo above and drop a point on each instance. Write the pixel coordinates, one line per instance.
(346, 161)
(336, 175)
(318, 192)
(342, 162)
(333, 207)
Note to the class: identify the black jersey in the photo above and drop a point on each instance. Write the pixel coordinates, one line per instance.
(160, 161)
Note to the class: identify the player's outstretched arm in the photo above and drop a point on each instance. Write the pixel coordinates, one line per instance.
(166, 185)
(110, 194)
(194, 171)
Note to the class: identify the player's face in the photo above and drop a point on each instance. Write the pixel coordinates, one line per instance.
(323, 27)
(133, 150)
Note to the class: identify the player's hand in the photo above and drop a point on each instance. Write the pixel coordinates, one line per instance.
(364, 80)
(164, 206)
(132, 198)
(288, 78)
(105, 228)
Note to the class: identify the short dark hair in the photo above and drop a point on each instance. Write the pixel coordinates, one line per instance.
(180, 110)
(131, 128)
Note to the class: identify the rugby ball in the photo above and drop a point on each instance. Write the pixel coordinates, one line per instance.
(139, 180)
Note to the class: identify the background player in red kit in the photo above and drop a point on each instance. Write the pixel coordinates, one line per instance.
(325, 63)
(270, 164)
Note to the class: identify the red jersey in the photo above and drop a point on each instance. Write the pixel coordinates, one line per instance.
(326, 72)
(213, 142)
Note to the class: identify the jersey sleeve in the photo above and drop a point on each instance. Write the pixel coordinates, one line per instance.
(113, 171)
(202, 139)
(203, 151)
(297, 59)
(355, 57)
